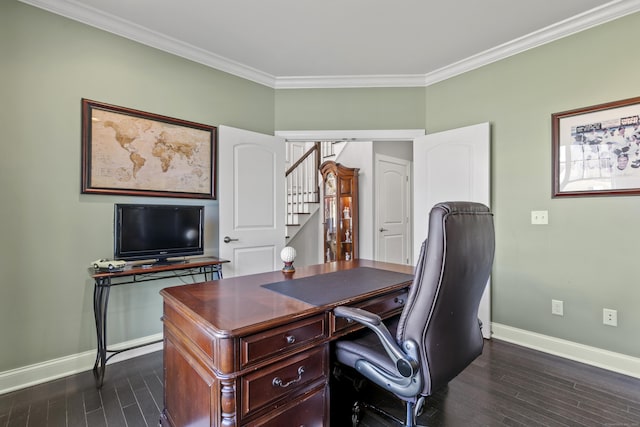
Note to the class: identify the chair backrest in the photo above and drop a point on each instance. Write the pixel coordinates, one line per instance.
(441, 314)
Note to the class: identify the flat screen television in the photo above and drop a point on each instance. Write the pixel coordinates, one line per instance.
(157, 232)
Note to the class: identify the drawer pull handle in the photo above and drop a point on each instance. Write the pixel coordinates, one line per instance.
(290, 339)
(277, 382)
(399, 301)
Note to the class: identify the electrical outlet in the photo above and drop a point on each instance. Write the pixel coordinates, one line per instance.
(540, 217)
(610, 317)
(557, 307)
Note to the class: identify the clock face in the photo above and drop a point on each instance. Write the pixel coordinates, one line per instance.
(330, 184)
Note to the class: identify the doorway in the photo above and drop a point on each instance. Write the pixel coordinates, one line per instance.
(369, 142)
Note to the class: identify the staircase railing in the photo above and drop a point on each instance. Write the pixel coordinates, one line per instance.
(326, 147)
(302, 186)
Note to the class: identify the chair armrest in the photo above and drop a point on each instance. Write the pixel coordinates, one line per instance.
(359, 315)
(406, 364)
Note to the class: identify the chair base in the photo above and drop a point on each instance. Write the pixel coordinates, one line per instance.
(348, 376)
(358, 407)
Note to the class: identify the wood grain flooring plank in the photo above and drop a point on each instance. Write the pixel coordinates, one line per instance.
(19, 415)
(75, 409)
(38, 413)
(134, 416)
(92, 399)
(57, 412)
(125, 394)
(112, 407)
(147, 405)
(155, 388)
(96, 418)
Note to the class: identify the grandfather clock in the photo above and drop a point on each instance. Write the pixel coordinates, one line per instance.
(340, 206)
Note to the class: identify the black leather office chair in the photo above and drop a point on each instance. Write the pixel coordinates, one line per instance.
(438, 333)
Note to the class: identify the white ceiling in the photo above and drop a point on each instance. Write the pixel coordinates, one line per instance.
(342, 43)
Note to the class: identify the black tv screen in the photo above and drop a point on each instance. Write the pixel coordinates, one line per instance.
(157, 231)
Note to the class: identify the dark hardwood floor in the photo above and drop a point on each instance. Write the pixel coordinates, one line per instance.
(131, 396)
(506, 386)
(514, 386)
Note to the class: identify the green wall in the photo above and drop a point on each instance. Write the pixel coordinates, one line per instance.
(50, 232)
(587, 255)
(353, 109)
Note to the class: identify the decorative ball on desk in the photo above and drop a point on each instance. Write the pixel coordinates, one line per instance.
(287, 255)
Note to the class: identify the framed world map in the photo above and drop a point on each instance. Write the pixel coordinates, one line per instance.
(131, 152)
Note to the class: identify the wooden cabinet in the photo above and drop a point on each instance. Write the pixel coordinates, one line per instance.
(340, 204)
(273, 375)
(237, 354)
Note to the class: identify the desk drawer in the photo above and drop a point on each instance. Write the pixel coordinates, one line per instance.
(309, 411)
(260, 346)
(284, 379)
(384, 306)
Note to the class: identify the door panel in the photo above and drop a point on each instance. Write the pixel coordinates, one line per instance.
(392, 210)
(251, 200)
(393, 248)
(255, 259)
(449, 166)
(254, 187)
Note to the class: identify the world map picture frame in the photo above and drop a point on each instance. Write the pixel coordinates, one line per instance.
(137, 153)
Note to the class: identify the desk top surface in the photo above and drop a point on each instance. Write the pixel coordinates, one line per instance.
(240, 305)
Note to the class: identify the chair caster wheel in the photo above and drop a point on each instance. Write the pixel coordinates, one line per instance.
(356, 414)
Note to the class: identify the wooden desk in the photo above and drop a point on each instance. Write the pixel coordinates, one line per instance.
(134, 274)
(239, 354)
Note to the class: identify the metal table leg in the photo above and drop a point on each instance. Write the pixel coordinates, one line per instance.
(212, 269)
(100, 301)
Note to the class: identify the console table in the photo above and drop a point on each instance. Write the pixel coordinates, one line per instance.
(133, 274)
(255, 350)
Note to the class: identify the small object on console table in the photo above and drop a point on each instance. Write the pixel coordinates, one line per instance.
(104, 264)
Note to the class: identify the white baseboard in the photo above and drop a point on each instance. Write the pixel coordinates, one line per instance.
(594, 356)
(39, 373)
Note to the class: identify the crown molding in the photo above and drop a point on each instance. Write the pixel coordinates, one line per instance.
(121, 27)
(90, 16)
(312, 82)
(589, 19)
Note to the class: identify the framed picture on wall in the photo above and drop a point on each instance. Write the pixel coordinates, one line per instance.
(596, 150)
(131, 152)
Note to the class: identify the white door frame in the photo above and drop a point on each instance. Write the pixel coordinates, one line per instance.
(349, 135)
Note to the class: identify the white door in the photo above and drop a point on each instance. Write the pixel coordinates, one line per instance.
(251, 195)
(449, 166)
(393, 210)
